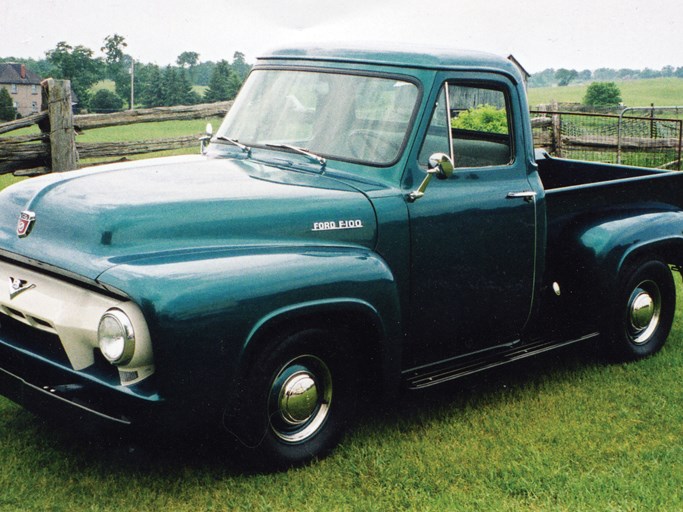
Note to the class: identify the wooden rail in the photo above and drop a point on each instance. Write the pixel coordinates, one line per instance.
(56, 148)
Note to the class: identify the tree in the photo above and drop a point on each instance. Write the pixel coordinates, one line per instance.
(171, 94)
(239, 65)
(113, 50)
(543, 78)
(585, 75)
(118, 63)
(202, 72)
(176, 88)
(186, 94)
(7, 110)
(565, 76)
(78, 65)
(219, 85)
(602, 94)
(189, 59)
(104, 101)
(152, 94)
(605, 74)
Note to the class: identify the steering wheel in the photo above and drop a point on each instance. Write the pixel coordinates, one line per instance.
(367, 144)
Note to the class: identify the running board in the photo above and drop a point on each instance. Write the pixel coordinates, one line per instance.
(439, 373)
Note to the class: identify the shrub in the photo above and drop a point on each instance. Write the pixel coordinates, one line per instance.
(602, 94)
(105, 101)
(484, 118)
(7, 110)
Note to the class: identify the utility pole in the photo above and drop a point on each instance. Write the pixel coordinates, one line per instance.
(132, 84)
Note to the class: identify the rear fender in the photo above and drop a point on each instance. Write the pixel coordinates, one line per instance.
(589, 256)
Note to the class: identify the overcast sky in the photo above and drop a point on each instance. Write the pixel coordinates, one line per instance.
(580, 34)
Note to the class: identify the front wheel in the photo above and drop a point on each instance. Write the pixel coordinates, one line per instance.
(644, 311)
(297, 399)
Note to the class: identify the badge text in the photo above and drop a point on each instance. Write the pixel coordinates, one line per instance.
(337, 224)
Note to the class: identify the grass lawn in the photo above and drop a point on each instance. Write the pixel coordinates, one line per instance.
(635, 93)
(7, 179)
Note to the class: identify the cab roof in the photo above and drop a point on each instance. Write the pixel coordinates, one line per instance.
(412, 56)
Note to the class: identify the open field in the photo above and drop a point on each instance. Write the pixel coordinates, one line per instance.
(563, 433)
(635, 93)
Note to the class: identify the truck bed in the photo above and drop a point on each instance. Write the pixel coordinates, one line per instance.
(574, 188)
(560, 173)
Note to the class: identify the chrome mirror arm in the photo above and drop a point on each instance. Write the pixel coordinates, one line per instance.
(441, 166)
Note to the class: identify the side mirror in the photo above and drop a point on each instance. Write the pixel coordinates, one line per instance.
(204, 140)
(439, 165)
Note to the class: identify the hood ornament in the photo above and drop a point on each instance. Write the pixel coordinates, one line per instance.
(25, 224)
(16, 286)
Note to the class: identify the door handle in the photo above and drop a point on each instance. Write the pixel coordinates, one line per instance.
(527, 195)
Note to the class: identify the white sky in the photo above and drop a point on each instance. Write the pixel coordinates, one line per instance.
(580, 34)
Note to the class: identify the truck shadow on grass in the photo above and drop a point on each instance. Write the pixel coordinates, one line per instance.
(117, 452)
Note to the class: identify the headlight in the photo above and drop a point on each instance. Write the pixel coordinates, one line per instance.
(116, 337)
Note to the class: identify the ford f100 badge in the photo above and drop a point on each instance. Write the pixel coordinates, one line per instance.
(26, 220)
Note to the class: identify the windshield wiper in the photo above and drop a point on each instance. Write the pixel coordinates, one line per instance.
(301, 151)
(235, 142)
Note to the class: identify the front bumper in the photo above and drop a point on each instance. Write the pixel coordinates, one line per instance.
(52, 389)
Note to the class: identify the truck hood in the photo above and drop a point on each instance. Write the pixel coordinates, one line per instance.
(88, 221)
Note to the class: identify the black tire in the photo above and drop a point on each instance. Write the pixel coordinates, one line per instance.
(643, 313)
(297, 399)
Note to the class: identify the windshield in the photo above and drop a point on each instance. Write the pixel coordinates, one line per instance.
(340, 116)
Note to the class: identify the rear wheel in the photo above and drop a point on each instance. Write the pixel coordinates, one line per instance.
(297, 400)
(644, 311)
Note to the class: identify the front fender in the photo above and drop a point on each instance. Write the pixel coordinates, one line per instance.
(205, 309)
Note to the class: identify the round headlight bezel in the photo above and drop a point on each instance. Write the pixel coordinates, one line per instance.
(116, 337)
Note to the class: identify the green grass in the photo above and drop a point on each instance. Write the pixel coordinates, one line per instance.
(7, 179)
(109, 85)
(562, 433)
(635, 93)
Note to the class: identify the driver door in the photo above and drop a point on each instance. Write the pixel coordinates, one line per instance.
(473, 238)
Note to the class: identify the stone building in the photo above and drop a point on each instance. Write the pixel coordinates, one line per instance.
(23, 86)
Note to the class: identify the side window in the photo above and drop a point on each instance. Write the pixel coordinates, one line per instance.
(471, 124)
(481, 128)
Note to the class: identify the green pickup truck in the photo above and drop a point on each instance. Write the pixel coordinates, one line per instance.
(363, 222)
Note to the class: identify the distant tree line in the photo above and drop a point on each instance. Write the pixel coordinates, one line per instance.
(562, 77)
(154, 86)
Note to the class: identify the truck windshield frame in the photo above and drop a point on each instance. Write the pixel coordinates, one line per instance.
(339, 115)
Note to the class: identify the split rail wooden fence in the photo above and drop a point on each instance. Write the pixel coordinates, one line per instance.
(56, 148)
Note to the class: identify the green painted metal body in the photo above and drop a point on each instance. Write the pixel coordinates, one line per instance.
(219, 249)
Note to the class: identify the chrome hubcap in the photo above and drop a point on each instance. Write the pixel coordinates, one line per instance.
(644, 308)
(300, 398)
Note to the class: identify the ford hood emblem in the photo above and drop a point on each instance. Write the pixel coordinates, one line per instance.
(26, 220)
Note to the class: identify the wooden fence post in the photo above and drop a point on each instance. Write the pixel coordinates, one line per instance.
(60, 124)
(557, 131)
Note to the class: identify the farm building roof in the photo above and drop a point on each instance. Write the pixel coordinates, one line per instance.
(13, 73)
